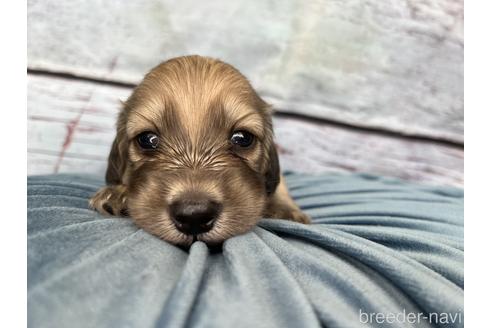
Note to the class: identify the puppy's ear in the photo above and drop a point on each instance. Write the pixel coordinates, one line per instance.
(272, 172)
(272, 175)
(117, 161)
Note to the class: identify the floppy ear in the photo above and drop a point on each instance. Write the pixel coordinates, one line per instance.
(117, 160)
(272, 172)
(272, 175)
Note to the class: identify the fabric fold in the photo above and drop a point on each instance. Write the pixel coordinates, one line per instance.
(376, 246)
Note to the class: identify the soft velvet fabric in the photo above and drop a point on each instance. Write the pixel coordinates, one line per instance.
(376, 245)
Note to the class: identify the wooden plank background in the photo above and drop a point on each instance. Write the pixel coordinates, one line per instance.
(71, 127)
(392, 65)
(385, 78)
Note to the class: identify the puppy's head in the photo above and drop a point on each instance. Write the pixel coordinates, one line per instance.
(194, 147)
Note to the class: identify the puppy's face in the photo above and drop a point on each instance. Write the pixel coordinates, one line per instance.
(194, 148)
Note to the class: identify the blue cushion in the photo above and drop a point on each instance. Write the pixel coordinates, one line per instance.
(376, 245)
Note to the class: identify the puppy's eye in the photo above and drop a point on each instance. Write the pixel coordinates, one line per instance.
(242, 139)
(148, 140)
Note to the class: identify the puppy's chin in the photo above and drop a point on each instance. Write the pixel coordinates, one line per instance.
(220, 233)
(166, 230)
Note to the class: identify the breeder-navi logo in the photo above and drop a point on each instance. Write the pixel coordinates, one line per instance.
(411, 317)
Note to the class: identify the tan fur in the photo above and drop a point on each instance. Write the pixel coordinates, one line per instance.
(194, 104)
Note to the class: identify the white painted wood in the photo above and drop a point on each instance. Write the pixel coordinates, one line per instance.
(394, 65)
(310, 147)
(87, 111)
(44, 163)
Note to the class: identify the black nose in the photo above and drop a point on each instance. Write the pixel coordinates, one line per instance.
(194, 214)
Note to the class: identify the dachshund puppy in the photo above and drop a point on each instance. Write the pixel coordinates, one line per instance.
(194, 157)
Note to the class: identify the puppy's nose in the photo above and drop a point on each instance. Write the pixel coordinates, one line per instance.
(193, 215)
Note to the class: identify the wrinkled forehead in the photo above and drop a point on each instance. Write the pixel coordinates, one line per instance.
(195, 101)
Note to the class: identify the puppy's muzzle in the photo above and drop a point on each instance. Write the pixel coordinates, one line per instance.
(194, 214)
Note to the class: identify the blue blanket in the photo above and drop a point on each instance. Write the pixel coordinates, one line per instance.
(380, 252)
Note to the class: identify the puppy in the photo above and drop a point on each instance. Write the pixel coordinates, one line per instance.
(194, 157)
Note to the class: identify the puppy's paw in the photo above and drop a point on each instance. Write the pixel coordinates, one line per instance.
(110, 200)
(299, 216)
(289, 213)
